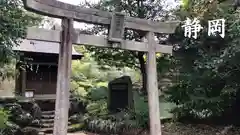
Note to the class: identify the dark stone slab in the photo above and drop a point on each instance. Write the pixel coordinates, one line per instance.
(120, 94)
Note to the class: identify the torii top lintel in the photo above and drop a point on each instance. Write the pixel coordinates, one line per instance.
(59, 9)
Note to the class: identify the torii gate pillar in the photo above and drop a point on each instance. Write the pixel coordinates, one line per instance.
(63, 78)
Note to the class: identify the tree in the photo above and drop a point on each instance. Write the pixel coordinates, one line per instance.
(208, 66)
(14, 22)
(135, 8)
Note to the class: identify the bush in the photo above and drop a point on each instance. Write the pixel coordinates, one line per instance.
(104, 126)
(3, 118)
(18, 115)
(99, 93)
(89, 86)
(199, 103)
(97, 108)
(11, 129)
(17, 119)
(7, 127)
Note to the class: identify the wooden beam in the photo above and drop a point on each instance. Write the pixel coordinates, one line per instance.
(44, 34)
(99, 41)
(59, 9)
(63, 79)
(152, 87)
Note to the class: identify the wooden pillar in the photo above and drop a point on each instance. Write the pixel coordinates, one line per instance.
(23, 81)
(17, 79)
(152, 87)
(63, 79)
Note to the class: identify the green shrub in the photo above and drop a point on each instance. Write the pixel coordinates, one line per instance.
(102, 84)
(77, 118)
(3, 118)
(104, 126)
(80, 91)
(98, 93)
(76, 127)
(85, 84)
(89, 85)
(199, 102)
(97, 108)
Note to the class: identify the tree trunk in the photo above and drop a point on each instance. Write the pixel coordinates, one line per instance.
(143, 72)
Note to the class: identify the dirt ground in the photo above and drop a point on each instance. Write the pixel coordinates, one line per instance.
(79, 133)
(183, 129)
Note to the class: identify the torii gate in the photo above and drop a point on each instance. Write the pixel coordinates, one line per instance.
(117, 22)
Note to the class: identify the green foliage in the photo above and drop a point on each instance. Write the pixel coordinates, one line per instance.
(98, 93)
(101, 125)
(89, 85)
(102, 84)
(185, 4)
(141, 112)
(7, 71)
(97, 108)
(75, 127)
(14, 119)
(89, 68)
(114, 124)
(89, 80)
(98, 119)
(14, 22)
(207, 68)
(125, 58)
(3, 118)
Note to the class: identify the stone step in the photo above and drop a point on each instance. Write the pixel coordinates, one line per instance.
(50, 125)
(49, 131)
(48, 112)
(41, 133)
(47, 116)
(47, 121)
(46, 130)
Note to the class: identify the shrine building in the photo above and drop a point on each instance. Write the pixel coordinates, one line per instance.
(37, 69)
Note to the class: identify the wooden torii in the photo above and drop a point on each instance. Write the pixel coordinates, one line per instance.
(68, 36)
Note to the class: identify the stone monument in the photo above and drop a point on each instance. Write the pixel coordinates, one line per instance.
(120, 94)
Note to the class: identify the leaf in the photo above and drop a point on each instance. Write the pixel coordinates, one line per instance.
(14, 22)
